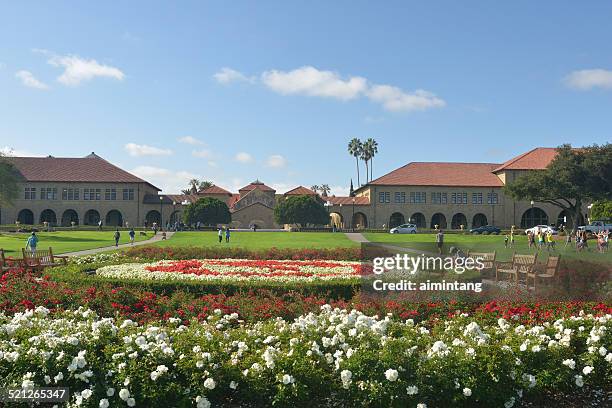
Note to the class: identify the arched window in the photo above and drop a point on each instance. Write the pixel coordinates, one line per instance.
(114, 218)
(419, 220)
(153, 216)
(479, 220)
(458, 220)
(48, 216)
(26, 217)
(438, 219)
(534, 216)
(68, 217)
(396, 219)
(92, 217)
(360, 220)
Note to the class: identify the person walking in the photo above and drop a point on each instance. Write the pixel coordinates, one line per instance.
(117, 235)
(512, 239)
(220, 234)
(530, 239)
(227, 235)
(550, 242)
(440, 241)
(132, 235)
(506, 239)
(568, 239)
(31, 243)
(99, 225)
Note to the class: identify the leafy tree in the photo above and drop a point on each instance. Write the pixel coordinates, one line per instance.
(573, 177)
(8, 182)
(209, 211)
(601, 210)
(196, 185)
(301, 210)
(355, 149)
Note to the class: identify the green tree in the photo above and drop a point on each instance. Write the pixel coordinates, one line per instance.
(196, 185)
(601, 210)
(573, 177)
(325, 190)
(8, 182)
(301, 210)
(208, 211)
(355, 149)
(371, 147)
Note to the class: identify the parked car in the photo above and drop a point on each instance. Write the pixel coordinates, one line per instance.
(485, 229)
(404, 229)
(597, 226)
(542, 228)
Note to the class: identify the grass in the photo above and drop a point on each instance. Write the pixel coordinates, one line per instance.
(64, 241)
(487, 243)
(261, 240)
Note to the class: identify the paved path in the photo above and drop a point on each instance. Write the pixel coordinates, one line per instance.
(356, 237)
(93, 251)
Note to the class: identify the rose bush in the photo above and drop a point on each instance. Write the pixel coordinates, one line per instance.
(335, 357)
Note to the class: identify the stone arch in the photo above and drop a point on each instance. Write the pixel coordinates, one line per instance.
(256, 223)
(25, 217)
(438, 219)
(114, 218)
(458, 220)
(418, 219)
(534, 216)
(92, 217)
(336, 220)
(396, 219)
(360, 220)
(176, 216)
(153, 216)
(479, 220)
(68, 217)
(565, 219)
(48, 216)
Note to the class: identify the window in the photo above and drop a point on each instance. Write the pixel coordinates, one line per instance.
(438, 198)
(400, 198)
(492, 198)
(48, 193)
(70, 194)
(30, 193)
(459, 198)
(476, 198)
(91, 194)
(418, 197)
(387, 197)
(128, 193)
(381, 197)
(98, 194)
(110, 194)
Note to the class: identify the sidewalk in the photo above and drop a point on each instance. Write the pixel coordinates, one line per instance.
(356, 237)
(93, 251)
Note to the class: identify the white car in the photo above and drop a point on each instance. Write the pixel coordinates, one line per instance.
(404, 229)
(542, 228)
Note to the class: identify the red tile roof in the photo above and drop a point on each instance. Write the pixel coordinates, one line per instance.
(180, 198)
(215, 190)
(536, 159)
(256, 184)
(233, 199)
(89, 169)
(442, 174)
(347, 200)
(300, 190)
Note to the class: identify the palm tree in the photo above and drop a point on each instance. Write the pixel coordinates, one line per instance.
(194, 185)
(355, 148)
(325, 190)
(366, 155)
(372, 146)
(315, 188)
(204, 184)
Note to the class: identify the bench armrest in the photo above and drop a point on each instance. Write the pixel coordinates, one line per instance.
(504, 265)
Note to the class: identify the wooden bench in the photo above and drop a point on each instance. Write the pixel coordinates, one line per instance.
(550, 273)
(42, 258)
(520, 264)
(4, 263)
(488, 260)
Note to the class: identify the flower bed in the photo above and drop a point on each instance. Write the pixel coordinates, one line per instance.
(334, 357)
(236, 270)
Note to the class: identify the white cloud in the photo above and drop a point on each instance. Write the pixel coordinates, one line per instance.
(586, 79)
(227, 75)
(340, 191)
(77, 69)
(190, 140)
(29, 80)
(169, 181)
(9, 151)
(276, 160)
(202, 154)
(394, 99)
(137, 150)
(310, 81)
(212, 163)
(244, 157)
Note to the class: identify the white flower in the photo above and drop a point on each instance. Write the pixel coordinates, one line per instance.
(86, 393)
(467, 392)
(412, 390)
(131, 402)
(287, 379)
(421, 405)
(509, 403)
(587, 370)
(103, 403)
(202, 402)
(391, 375)
(570, 363)
(233, 385)
(210, 383)
(124, 394)
(579, 381)
(110, 392)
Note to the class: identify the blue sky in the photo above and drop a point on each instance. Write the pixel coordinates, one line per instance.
(233, 91)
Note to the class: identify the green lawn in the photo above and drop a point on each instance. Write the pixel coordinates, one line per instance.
(261, 240)
(486, 243)
(64, 241)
